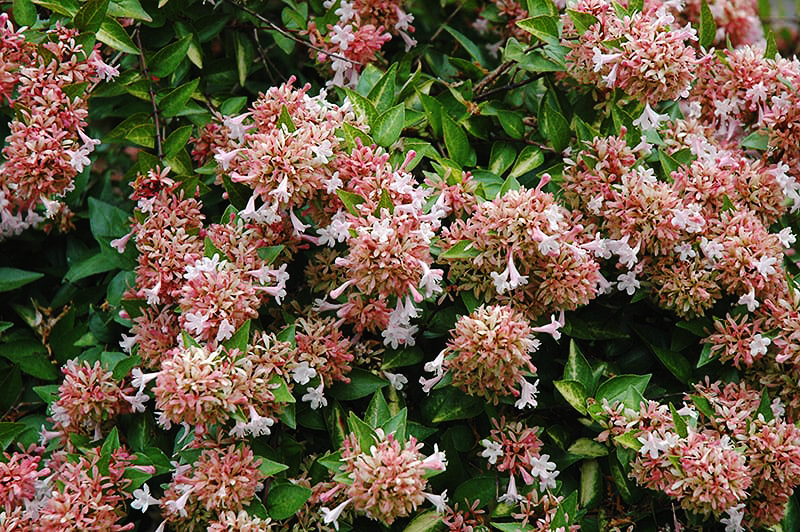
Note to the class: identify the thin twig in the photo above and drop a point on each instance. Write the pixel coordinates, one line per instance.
(264, 59)
(508, 87)
(492, 76)
(288, 35)
(446, 22)
(152, 95)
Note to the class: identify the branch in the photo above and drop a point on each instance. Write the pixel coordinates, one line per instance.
(146, 73)
(288, 35)
(510, 86)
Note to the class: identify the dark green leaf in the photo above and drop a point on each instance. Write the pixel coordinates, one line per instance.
(772, 48)
(450, 404)
(483, 488)
(285, 500)
(511, 123)
(175, 101)
(48, 393)
(232, 106)
(269, 468)
(472, 49)
(239, 339)
(177, 140)
(351, 201)
(11, 278)
(114, 35)
(269, 254)
(583, 21)
(628, 389)
(31, 357)
(455, 140)
(574, 392)
(708, 28)
(137, 128)
(165, 61)
(128, 9)
(544, 28)
(382, 94)
(8, 432)
(62, 7)
(238, 194)
(387, 126)
(529, 159)
(553, 124)
(24, 12)
(756, 141)
(397, 425)
(408, 356)
(90, 16)
(377, 411)
(678, 421)
(765, 407)
(362, 383)
(463, 249)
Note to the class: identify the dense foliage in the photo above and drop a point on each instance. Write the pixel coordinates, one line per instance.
(387, 265)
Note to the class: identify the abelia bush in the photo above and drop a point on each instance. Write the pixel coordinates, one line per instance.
(382, 265)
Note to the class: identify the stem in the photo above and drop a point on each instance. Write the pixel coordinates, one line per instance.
(288, 35)
(146, 73)
(510, 86)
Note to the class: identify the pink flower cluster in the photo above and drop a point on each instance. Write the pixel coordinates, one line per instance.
(719, 454)
(645, 54)
(46, 86)
(386, 481)
(362, 28)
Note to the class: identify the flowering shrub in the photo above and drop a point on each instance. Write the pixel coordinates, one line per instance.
(383, 265)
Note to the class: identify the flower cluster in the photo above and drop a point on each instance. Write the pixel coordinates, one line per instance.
(387, 480)
(46, 85)
(723, 452)
(361, 30)
(489, 356)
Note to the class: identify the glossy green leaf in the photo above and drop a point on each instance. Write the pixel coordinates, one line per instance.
(512, 124)
(529, 159)
(128, 9)
(708, 28)
(285, 500)
(24, 12)
(678, 421)
(12, 278)
(362, 383)
(31, 357)
(756, 141)
(137, 128)
(378, 411)
(382, 94)
(387, 126)
(450, 404)
(628, 389)
(574, 392)
(351, 201)
(455, 140)
(175, 101)
(553, 124)
(591, 487)
(270, 468)
(166, 60)
(62, 7)
(463, 249)
(90, 15)
(472, 49)
(583, 21)
(8, 433)
(239, 339)
(177, 140)
(544, 28)
(114, 35)
(502, 157)
(270, 253)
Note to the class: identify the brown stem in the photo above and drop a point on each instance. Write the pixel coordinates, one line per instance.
(146, 73)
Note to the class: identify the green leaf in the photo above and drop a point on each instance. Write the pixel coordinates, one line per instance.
(364, 434)
(377, 411)
(588, 448)
(362, 383)
(12, 278)
(554, 126)
(137, 128)
(574, 392)
(111, 443)
(708, 28)
(177, 140)
(280, 390)
(538, 8)
(233, 105)
(544, 28)
(8, 432)
(90, 16)
(455, 140)
(628, 389)
(756, 141)
(772, 48)
(62, 7)
(676, 363)
(175, 101)
(450, 404)
(428, 521)
(678, 421)
(530, 158)
(578, 369)
(288, 335)
(31, 357)
(351, 201)
(408, 356)
(511, 123)
(284, 120)
(48, 393)
(483, 488)
(269, 468)
(238, 193)
(24, 12)
(114, 35)
(472, 49)
(210, 249)
(383, 93)
(362, 106)
(397, 425)
(566, 513)
(501, 158)
(128, 9)
(243, 50)
(583, 21)
(270, 253)
(591, 484)
(388, 126)
(165, 61)
(107, 222)
(285, 500)
(765, 407)
(629, 440)
(239, 339)
(463, 249)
